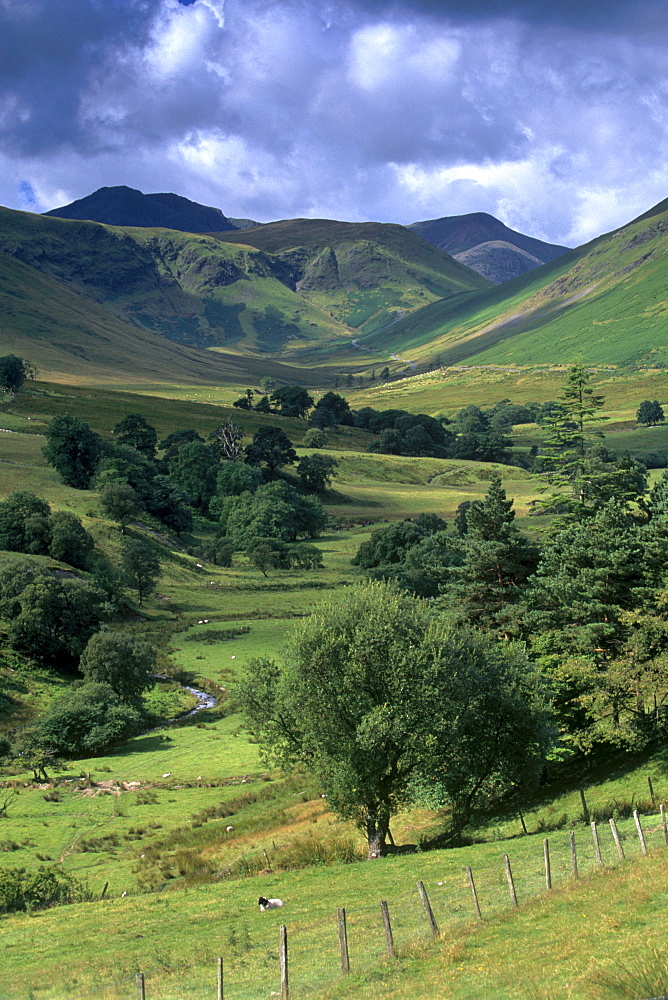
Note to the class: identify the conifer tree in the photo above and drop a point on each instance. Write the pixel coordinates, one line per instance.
(498, 560)
(571, 432)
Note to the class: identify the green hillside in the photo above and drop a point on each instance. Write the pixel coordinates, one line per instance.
(367, 274)
(189, 289)
(606, 300)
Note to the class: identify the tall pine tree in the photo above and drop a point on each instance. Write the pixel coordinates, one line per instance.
(497, 561)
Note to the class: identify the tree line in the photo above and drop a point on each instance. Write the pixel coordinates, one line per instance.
(476, 650)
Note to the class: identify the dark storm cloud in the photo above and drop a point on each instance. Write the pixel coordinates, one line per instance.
(604, 15)
(550, 116)
(48, 51)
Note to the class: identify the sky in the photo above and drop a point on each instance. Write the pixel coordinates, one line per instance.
(551, 116)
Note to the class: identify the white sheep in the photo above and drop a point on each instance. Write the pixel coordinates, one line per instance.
(269, 904)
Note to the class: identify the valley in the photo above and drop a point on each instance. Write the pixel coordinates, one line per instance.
(171, 833)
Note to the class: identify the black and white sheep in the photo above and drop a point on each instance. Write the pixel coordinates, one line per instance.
(269, 904)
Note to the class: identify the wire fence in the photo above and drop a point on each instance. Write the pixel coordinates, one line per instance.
(246, 962)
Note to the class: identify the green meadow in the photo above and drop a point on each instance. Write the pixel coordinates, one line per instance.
(150, 818)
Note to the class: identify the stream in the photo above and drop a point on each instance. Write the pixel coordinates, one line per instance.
(204, 700)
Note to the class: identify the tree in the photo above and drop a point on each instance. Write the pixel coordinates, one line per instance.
(571, 432)
(70, 542)
(497, 562)
(315, 438)
(267, 384)
(336, 404)
(650, 412)
(13, 372)
(380, 698)
(16, 533)
(141, 566)
(54, 619)
(306, 556)
(85, 720)
(194, 471)
(272, 448)
(170, 446)
(228, 438)
(136, 432)
(73, 450)
(268, 553)
(235, 478)
(316, 471)
(292, 400)
(119, 502)
(168, 502)
(275, 510)
(121, 660)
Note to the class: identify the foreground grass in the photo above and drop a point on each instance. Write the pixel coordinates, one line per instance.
(563, 937)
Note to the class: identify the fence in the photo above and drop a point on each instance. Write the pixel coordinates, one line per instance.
(317, 944)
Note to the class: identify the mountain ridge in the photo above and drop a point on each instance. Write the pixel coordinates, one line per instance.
(125, 206)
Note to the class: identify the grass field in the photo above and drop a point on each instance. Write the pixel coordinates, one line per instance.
(152, 813)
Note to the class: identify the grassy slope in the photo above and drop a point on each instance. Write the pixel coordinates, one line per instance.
(606, 301)
(189, 289)
(149, 929)
(364, 274)
(74, 340)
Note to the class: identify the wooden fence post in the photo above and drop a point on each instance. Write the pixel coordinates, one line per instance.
(574, 854)
(641, 835)
(141, 986)
(585, 810)
(597, 846)
(220, 979)
(511, 884)
(283, 962)
(548, 870)
(469, 875)
(662, 810)
(615, 836)
(524, 826)
(651, 790)
(389, 940)
(266, 858)
(343, 941)
(427, 909)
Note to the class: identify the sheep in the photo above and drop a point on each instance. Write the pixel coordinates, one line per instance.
(269, 904)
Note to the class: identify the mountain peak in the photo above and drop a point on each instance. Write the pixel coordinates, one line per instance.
(125, 206)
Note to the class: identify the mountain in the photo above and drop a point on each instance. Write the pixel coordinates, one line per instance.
(191, 289)
(125, 206)
(500, 252)
(366, 275)
(74, 340)
(606, 301)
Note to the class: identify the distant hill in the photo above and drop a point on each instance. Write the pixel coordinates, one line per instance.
(74, 340)
(366, 275)
(190, 289)
(125, 206)
(606, 301)
(459, 235)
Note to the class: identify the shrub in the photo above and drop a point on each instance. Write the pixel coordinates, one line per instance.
(48, 886)
(315, 438)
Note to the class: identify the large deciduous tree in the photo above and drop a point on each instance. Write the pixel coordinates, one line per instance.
(135, 431)
(292, 400)
(120, 659)
(271, 448)
(13, 372)
(382, 699)
(73, 450)
(650, 412)
(141, 566)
